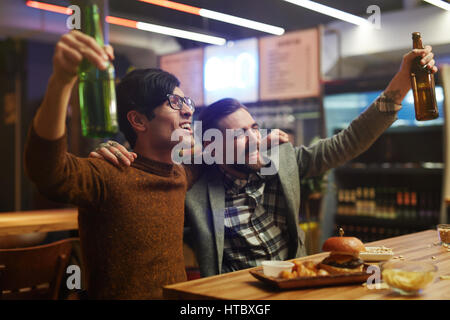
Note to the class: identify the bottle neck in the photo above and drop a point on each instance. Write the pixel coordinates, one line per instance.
(417, 43)
(91, 23)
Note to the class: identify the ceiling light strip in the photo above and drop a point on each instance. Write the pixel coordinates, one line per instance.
(218, 16)
(438, 3)
(241, 22)
(335, 13)
(137, 25)
(175, 6)
(121, 22)
(49, 7)
(180, 33)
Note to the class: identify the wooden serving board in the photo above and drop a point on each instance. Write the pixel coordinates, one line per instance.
(309, 282)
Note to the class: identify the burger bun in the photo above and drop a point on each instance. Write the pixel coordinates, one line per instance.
(344, 246)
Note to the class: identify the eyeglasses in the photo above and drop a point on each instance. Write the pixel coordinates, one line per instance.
(176, 102)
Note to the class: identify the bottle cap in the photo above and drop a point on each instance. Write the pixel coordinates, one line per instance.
(416, 35)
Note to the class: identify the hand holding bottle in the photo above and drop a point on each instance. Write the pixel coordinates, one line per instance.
(70, 51)
(401, 83)
(427, 59)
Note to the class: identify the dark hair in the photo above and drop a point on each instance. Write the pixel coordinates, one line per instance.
(142, 90)
(212, 114)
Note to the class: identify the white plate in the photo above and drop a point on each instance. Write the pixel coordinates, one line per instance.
(371, 254)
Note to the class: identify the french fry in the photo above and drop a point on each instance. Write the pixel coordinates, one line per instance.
(285, 274)
(310, 265)
(304, 269)
(322, 272)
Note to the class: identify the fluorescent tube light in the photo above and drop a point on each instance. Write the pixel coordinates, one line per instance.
(218, 16)
(329, 11)
(136, 24)
(439, 3)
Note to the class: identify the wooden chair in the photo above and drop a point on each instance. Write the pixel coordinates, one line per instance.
(34, 272)
(22, 240)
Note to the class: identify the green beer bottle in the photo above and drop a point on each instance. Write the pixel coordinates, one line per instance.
(96, 87)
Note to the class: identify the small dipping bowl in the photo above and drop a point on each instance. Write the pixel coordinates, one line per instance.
(273, 268)
(408, 277)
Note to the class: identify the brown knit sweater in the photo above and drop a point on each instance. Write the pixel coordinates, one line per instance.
(130, 219)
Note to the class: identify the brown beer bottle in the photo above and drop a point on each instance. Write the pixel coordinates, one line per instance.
(422, 83)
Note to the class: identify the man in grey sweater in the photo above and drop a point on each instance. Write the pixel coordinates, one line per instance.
(237, 217)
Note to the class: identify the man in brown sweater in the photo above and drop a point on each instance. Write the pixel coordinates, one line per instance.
(130, 219)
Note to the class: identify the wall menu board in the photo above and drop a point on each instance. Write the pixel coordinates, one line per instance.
(187, 66)
(289, 65)
(232, 71)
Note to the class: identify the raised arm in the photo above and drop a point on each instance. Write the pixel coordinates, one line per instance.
(367, 127)
(70, 50)
(56, 173)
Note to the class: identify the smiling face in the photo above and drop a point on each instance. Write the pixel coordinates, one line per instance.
(246, 144)
(167, 120)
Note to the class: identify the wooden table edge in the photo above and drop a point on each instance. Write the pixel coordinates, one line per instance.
(21, 222)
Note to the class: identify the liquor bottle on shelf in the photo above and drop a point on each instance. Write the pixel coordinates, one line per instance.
(353, 202)
(366, 202)
(422, 83)
(413, 205)
(359, 201)
(340, 204)
(372, 202)
(399, 204)
(348, 202)
(385, 212)
(392, 214)
(387, 203)
(378, 202)
(407, 203)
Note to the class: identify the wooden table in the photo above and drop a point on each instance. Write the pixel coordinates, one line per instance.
(21, 222)
(241, 285)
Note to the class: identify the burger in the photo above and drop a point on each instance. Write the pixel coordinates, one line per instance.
(344, 255)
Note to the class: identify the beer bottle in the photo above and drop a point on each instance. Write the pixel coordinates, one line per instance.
(96, 87)
(422, 83)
